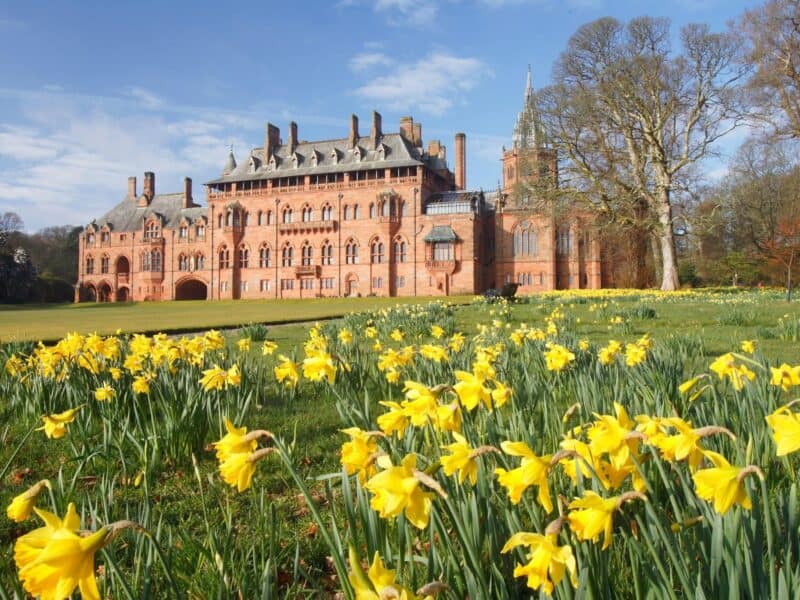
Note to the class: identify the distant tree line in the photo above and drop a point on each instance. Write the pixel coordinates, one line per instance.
(38, 267)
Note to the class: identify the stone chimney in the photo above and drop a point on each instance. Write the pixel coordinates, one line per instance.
(149, 185)
(407, 129)
(433, 148)
(131, 187)
(461, 161)
(417, 135)
(352, 139)
(187, 192)
(292, 137)
(272, 140)
(377, 131)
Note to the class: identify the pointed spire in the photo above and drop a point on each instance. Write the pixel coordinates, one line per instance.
(230, 164)
(529, 85)
(528, 131)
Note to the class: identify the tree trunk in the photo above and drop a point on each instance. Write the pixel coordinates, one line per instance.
(669, 262)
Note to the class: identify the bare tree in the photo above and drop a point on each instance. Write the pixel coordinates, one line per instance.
(633, 118)
(773, 35)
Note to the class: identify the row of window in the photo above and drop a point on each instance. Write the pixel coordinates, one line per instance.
(377, 254)
(325, 283)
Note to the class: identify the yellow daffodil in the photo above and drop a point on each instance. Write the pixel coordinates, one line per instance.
(397, 335)
(685, 444)
(235, 441)
(785, 376)
(319, 366)
(394, 421)
(237, 470)
(397, 489)
(433, 352)
(378, 583)
(22, 505)
(471, 391)
(214, 378)
(141, 384)
(748, 346)
(557, 358)
(371, 332)
(634, 355)
(359, 454)
(461, 460)
(53, 560)
(583, 345)
(345, 337)
(105, 393)
(286, 371)
(533, 470)
(592, 515)
(233, 376)
(723, 484)
(785, 426)
(244, 344)
(547, 561)
(607, 354)
(611, 434)
(726, 366)
(437, 331)
(456, 342)
(55, 426)
(268, 348)
(501, 394)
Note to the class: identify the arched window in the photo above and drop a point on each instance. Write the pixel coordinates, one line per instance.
(104, 264)
(399, 250)
(247, 219)
(229, 218)
(155, 260)
(269, 217)
(564, 241)
(264, 259)
(404, 208)
(89, 265)
(386, 208)
(144, 261)
(525, 240)
(327, 253)
(287, 256)
(261, 218)
(346, 213)
(90, 238)
(372, 210)
(200, 232)
(308, 214)
(244, 257)
(224, 258)
(199, 261)
(351, 252)
(183, 262)
(327, 213)
(307, 255)
(220, 221)
(151, 231)
(376, 252)
(356, 212)
(104, 235)
(287, 215)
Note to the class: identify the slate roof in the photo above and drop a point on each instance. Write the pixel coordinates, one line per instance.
(126, 216)
(460, 201)
(315, 158)
(441, 233)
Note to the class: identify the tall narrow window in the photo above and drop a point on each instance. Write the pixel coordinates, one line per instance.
(307, 255)
(89, 265)
(200, 261)
(224, 258)
(155, 260)
(287, 256)
(377, 252)
(104, 264)
(264, 259)
(356, 212)
(442, 251)
(327, 253)
(399, 251)
(351, 253)
(346, 213)
(244, 257)
(525, 240)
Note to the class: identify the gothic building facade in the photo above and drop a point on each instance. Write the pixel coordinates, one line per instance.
(379, 213)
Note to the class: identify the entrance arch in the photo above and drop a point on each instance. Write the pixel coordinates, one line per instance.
(104, 293)
(350, 285)
(191, 289)
(122, 295)
(89, 293)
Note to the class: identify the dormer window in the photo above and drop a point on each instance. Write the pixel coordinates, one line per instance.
(314, 158)
(183, 232)
(104, 237)
(295, 159)
(357, 154)
(151, 230)
(273, 163)
(334, 156)
(253, 164)
(381, 152)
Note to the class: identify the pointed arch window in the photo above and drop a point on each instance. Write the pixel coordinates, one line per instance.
(564, 240)
(104, 264)
(351, 253)
(264, 258)
(356, 212)
(287, 215)
(526, 242)
(327, 253)
(400, 250)
(155, 260)
(224, 258)
(151, 231)
(372, 211)
(244, 257)
(307, 257)
(287, 256)
(200, 261)
(89, 265)
(183, 262)
(308, 214)
(327, 213)
(376, 252)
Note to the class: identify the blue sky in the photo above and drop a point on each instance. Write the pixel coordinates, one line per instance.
(94, 91)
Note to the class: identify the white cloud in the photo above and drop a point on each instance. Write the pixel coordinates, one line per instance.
(368, 60)
(145, 97)
(430, 84)
(418, 14)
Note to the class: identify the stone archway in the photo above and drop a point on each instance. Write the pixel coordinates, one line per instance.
(350, 285)
(89, 293)
(104, 292)
(122, 295)
(191, 289)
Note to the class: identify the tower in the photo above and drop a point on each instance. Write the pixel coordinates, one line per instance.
(530, 157)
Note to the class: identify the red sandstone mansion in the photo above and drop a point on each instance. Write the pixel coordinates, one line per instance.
(366, 214)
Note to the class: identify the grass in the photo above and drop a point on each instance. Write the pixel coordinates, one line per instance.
(50, 323)
(311, 420)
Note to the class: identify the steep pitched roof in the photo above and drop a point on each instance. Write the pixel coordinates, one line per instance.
(441, 233)
(127, 216)
(331, 156)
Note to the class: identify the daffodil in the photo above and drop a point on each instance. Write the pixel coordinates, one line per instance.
(53, 560)
(141, 385)
(685, 444)
(235, 441)
(268, 347)
(345, 336)
(319, 366)
(471, 391)
(461, 460)
(394, 421)
(592, 515)
(397, 335)
(286, 371)
(244, 344)
(237, 470)
(55, 426)
(105, 393)
(547, 561)
(723, 484)
(785, 426)
(397, 489)
(785, 376)
(433, 352)
(748, 346)
(233, 376)
(214, 378)
(557, 358)
(359, 454)
(22, 505)
(634, 354)
(607, 354)
(726, 366)
(533, 470)
(437, 331)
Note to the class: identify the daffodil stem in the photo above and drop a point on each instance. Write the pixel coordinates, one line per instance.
(14, 454)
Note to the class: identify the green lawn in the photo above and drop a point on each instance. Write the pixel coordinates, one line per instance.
(50, 323)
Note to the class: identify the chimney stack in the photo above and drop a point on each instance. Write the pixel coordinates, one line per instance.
(461, 161)
(353, 137)
(131, 187)
(407, 129)
(149, 185)
(272, 140)
(434, 147)
(417, 135)
(187, 192)
(292, 137)
(377, 131)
